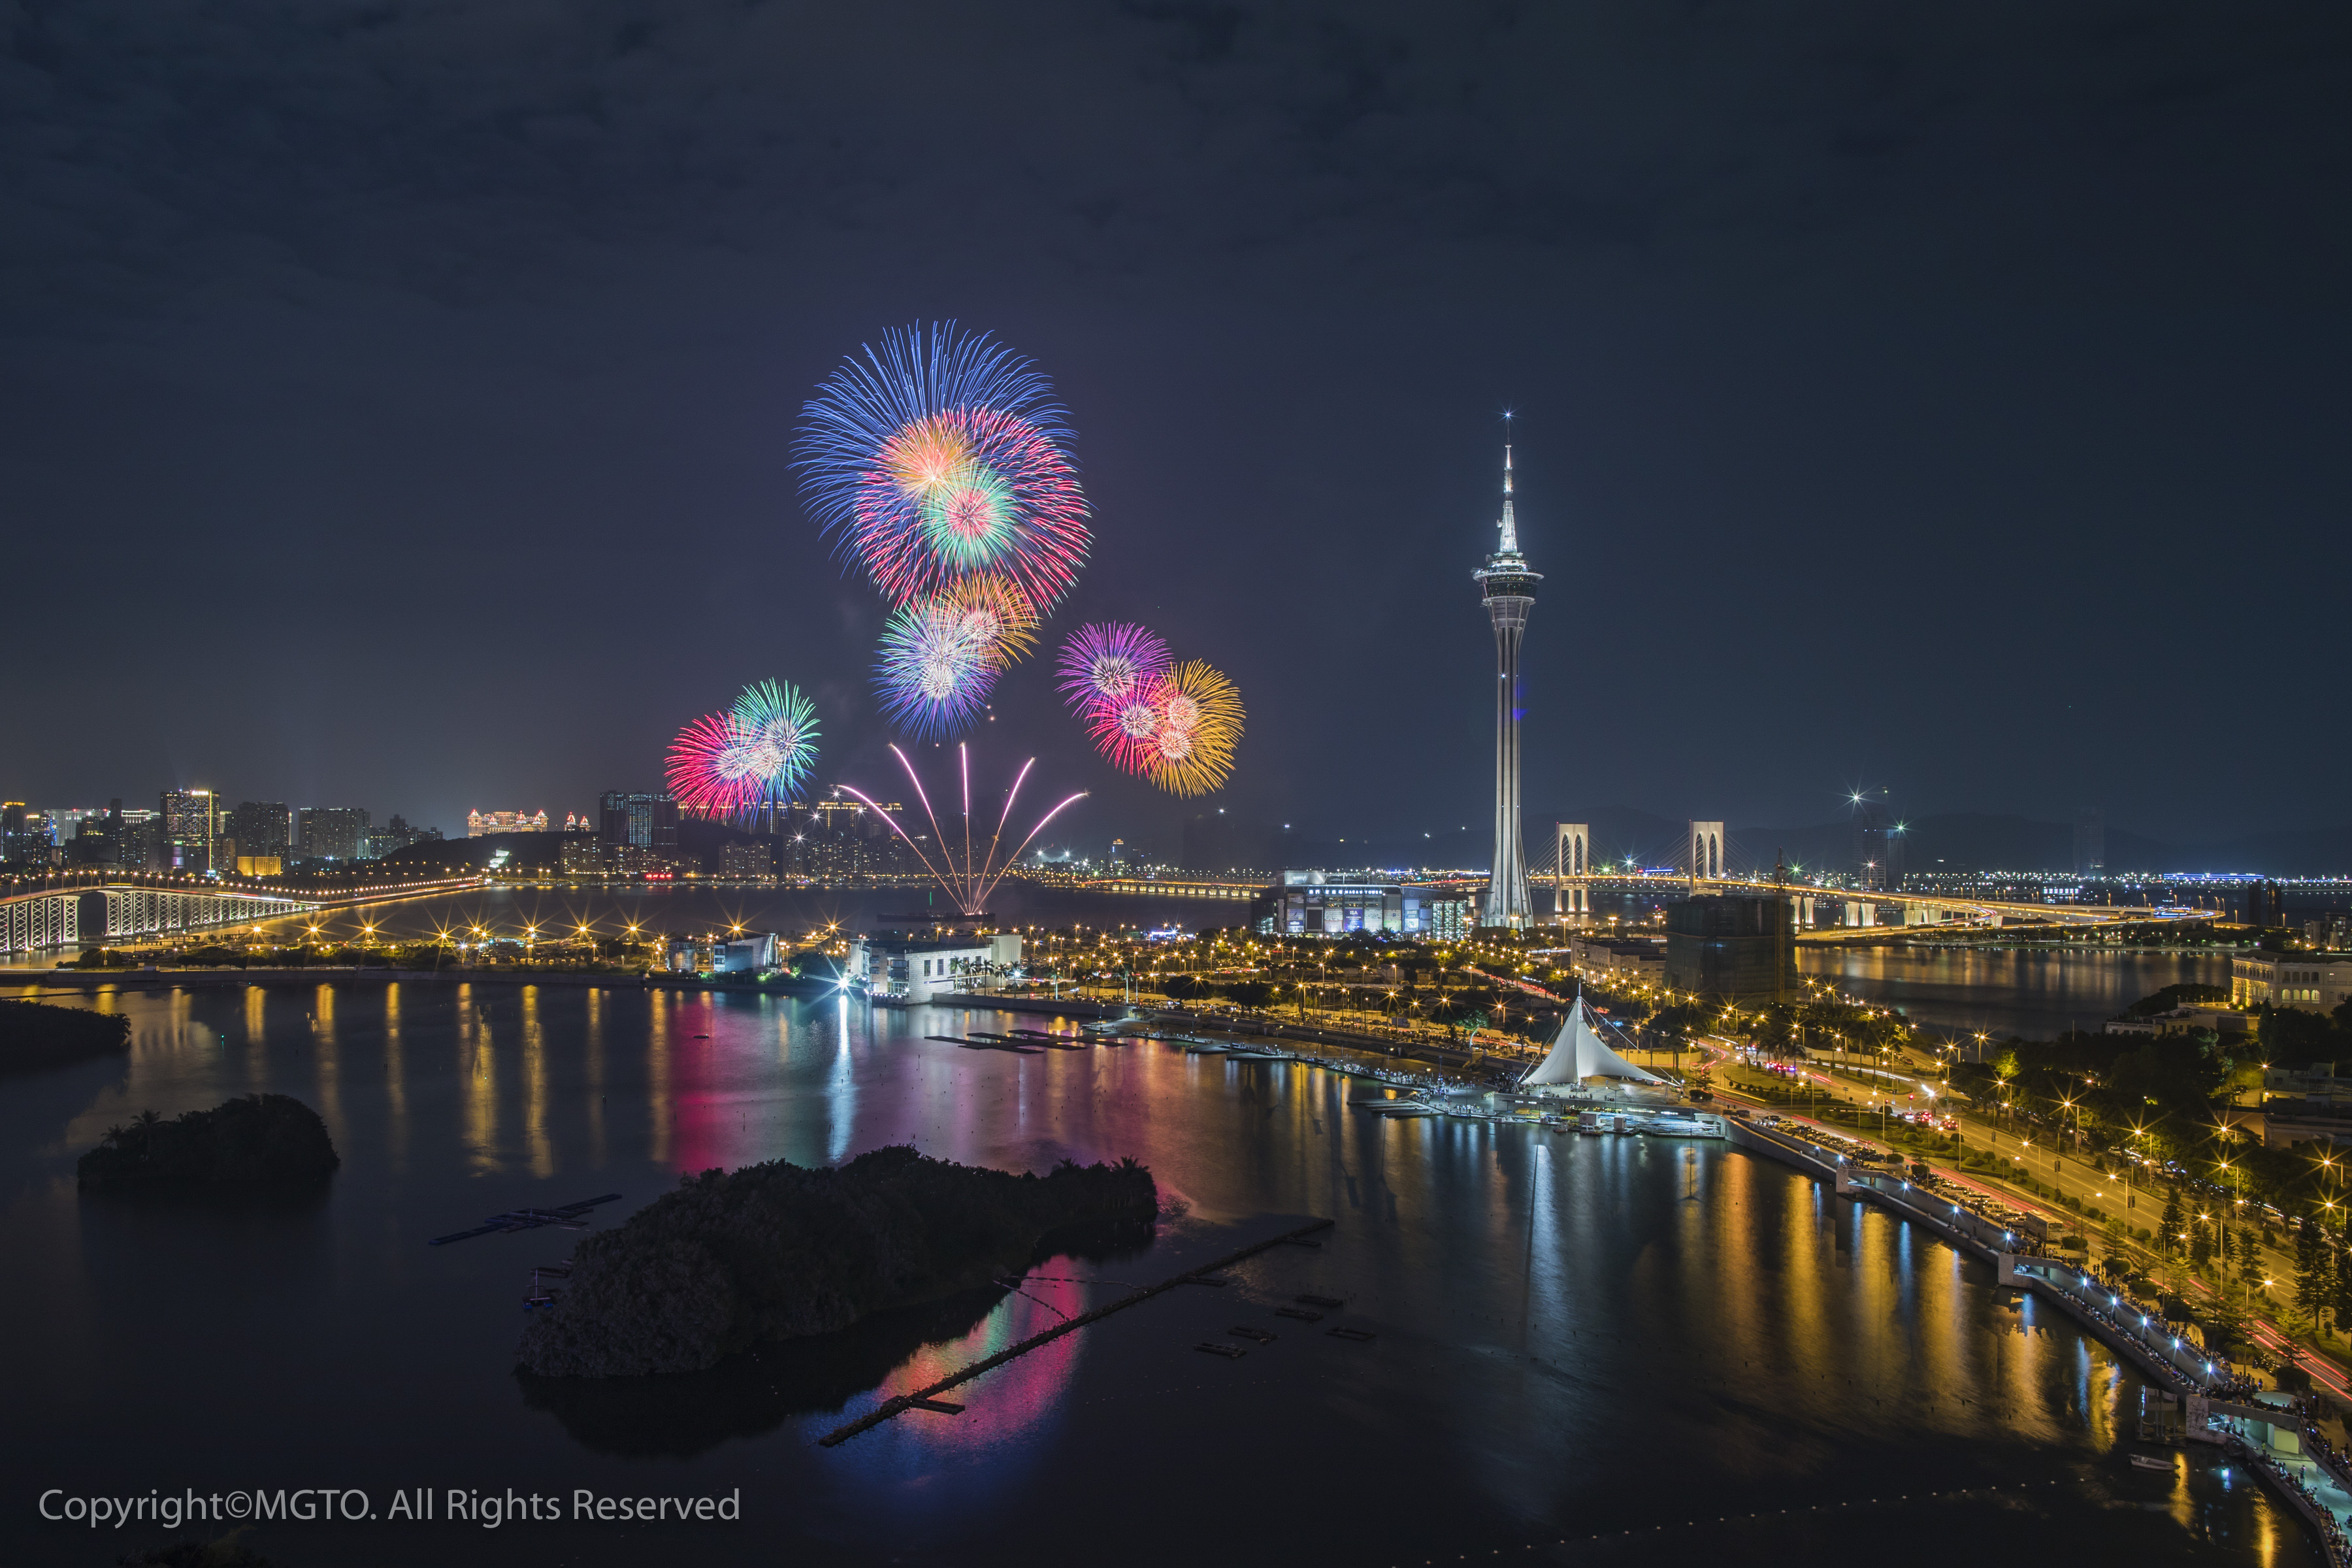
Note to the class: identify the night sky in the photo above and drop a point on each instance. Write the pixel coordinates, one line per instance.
(398, 398)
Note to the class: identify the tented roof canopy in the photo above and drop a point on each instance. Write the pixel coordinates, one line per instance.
(1579, 1054)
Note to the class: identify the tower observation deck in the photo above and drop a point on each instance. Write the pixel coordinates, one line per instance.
(1508, 586)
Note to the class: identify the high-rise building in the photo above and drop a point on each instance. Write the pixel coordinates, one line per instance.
(2090, 843)
(396, 836)
(261, 828)
(139, 840)
(334, 832)
(97, 838)
(1877, 846)
(638, 821)
(191, 822)
(1508, 587)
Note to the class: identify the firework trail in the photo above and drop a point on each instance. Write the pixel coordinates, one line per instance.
(968, 881)
(782, 725)
(1200, 714)
(940, 455)
(718, 767)
(935, 673)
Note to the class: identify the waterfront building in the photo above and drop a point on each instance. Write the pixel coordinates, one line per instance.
(1736, 948)
(480, 823)
(751, 954)
(332, 832)
(1577, 1052)
(1307, 903)
(916, 969)
(2316, 983)
(580, 855)
(1508, 586)
(751, 861)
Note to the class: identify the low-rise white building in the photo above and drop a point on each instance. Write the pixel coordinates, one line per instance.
(915, 969)
(752, 954)
(2318, 982)
(1619, 960)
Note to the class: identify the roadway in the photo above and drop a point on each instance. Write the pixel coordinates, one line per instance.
(2064, 1172)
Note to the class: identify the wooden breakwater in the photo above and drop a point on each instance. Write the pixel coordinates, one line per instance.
(928, 1398)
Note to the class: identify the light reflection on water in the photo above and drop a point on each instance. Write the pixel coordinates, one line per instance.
(1574, 1334)
(2038, 993)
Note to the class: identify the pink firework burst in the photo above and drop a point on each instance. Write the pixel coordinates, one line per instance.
(719, 767)
(1128, 732)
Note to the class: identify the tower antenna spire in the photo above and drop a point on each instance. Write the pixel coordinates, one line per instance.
(1508, 525)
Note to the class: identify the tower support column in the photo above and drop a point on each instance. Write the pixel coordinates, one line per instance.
(1507, 585)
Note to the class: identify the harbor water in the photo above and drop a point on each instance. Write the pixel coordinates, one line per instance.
(1651, 1349)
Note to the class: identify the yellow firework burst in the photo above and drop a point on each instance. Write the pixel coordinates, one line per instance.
(993, 614)
(1200, 724)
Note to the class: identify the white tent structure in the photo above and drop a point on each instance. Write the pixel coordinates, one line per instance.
(1579, 1052)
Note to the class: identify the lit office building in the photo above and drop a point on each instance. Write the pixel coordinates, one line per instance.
(191, 822)
(626, 821)
(1305, 904)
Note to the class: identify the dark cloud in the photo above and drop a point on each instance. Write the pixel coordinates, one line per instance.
(398, 394)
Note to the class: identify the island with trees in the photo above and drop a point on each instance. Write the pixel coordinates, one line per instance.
(779, 1251)
(40, 1035)
(257, 1142)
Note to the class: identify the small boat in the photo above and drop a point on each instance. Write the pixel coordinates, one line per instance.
(2150, 1462)
(1679, 1127)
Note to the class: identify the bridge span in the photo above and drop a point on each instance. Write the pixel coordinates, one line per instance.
(1824, 909)
(82, 909)
(1831, 908)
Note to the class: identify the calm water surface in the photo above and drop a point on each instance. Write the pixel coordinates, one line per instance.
(2038, 993)
(1577, 1338)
